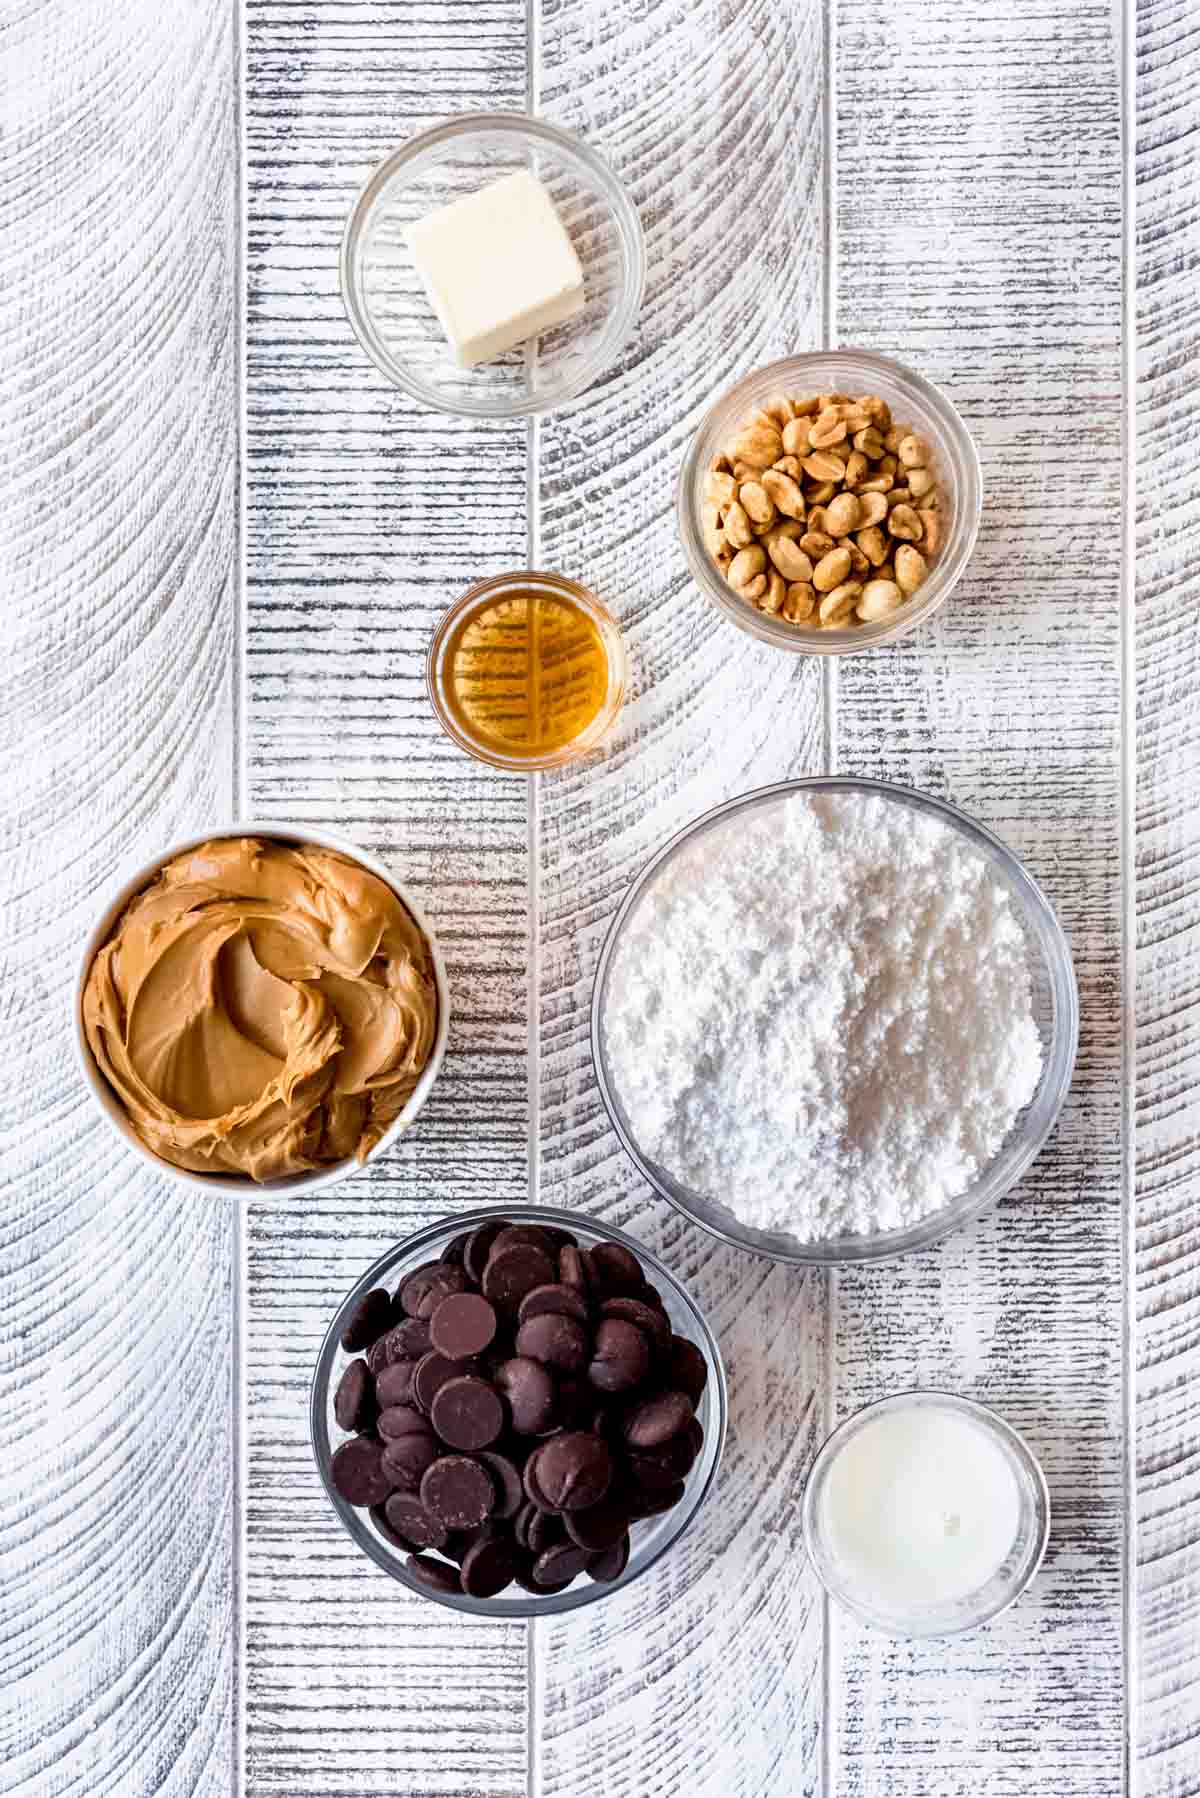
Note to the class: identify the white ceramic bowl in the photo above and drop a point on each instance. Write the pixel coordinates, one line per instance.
(110, 1106)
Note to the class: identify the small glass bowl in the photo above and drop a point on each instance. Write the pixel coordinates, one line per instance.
(386, 299)
(1055, 1008)
(651, 1537)
(1010, 1579)
(914, 401)
(486, 593)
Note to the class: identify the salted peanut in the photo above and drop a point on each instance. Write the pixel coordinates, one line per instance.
(819, 493)
(872, 508)
(742, 471)
(873, 545)
(778, 411)
(725, 556)
(878, 598)
(795, 437)
(894, 438)
(737, 525)
(899, 496)
(821, 466)
(840, 601)
(931, 523)
(920, 482)
(720, 465)
(889, 465)
(860, 568)
(856, 417)
(827, 428)
(827, 402)
(878, 410)
(710, 524)
(789, 465)
(755, 590)
(912, 452)
(805, 408)
(869, 443)
(831, 570)
(799, 602)
(878, 483)
(817, 544)
(783, 492)
(756, 502)
(758, 445)
(857, 468)
(793, 563)
(842, 515)
(817, 520)
(720, 487)
(903, 522)
(776, 591)
(911, 568)
(746, 565)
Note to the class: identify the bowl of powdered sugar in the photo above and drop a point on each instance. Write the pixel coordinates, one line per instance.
(833, 1020)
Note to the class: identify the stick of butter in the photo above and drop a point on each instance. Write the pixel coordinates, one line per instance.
(498, 267)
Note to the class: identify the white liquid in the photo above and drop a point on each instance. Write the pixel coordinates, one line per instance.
(919, 1508)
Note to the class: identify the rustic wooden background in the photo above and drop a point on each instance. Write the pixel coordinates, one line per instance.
(179, 1613)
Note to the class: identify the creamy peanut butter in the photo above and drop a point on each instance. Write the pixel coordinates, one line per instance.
(262, 1009)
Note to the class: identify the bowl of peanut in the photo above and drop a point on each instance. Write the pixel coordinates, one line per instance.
(830, 502)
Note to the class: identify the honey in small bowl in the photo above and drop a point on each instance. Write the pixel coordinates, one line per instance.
(527, 671)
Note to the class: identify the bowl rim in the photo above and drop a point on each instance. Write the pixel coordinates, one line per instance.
(620, 323)
(520, 580)
(947, 572)
(1058, 1065)
(127, 886)
(576, 1597)
(994, 1424)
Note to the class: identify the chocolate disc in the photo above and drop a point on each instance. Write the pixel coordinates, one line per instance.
(394, 1383)
(369, 1319)
(598, 1528)
(414, 1286)
(566, 1299)
(506, 1477)
(620, 1356)
(431, 1373)
(379, 1519)
(462, 1326)
(529, 1390)
(653, 1504)
(458, 1491)
(514, 1235)
(403, 1420)
(510, 1275)
(377, 1355)
(555, 1340)
(488, 1567)
(467, 1413)
(612, 1563)
(357, 1472)
(559, 1565)
(687, 1368)
(453, 1251)
(479, 1247)
(409, 1518)
(437, 1575)
(657, 1468)
(354, 1401)
(447, 1281)
(406, 1460)
(657, 1419)
(409, 1339)
(572, 1269)
(654, 1324)
(544, 1529)
(573, 1470)
(615, 1270)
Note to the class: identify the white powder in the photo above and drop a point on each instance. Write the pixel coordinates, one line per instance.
(821, 1016)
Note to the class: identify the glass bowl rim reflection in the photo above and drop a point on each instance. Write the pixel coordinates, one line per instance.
(963, 476)
(618, 325)
(582, 1592)
(517, 581)
(993, 1424)
(1053, 1085)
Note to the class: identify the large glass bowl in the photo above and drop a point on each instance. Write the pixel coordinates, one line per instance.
(1055, 1006)
(386, 299)
(914, 401)
(651, 1538)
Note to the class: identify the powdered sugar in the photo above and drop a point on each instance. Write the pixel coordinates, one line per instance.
(820, 1016)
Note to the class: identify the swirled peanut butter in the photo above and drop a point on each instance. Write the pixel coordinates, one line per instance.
(262, 1009)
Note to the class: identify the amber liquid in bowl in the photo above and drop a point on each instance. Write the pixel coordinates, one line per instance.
(527, 672)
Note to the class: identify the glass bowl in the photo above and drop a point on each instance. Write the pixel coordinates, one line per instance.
(476, 600)
(950, 1616)
(914, 401)
(386, 299)
(1055, 1007)
(651, 1538)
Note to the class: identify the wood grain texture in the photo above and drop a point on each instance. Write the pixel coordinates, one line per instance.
(1002, 279)
(705, 1677)
(1168, 894)
(118, 525)
(366, 516)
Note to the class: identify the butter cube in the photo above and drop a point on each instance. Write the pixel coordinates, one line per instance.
(498, 267)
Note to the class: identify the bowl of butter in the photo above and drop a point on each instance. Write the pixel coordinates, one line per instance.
(493, 266)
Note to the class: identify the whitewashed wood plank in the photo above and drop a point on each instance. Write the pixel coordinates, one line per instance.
(366, 516)
(705, 1677)
(981, 241)
(117, 546)
(1168, 899)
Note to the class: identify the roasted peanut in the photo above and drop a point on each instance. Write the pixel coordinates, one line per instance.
(737, 525)
(720, 488)
(755, 589)
(873, 544)
(817, 543)
(911, 568)
(828, 427)
(746, 565)
(792, 562)
(912, 452)
(831, 570)
(904, 523)
(784, 493)
(920, 482)
(857, 468)
(758, 445)
(840, 601)
(878, 599)
(932, 525)
(819, 493)
(757, 502)
(872, 509)
(821, 466)
(842, 515)
(776, 592)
